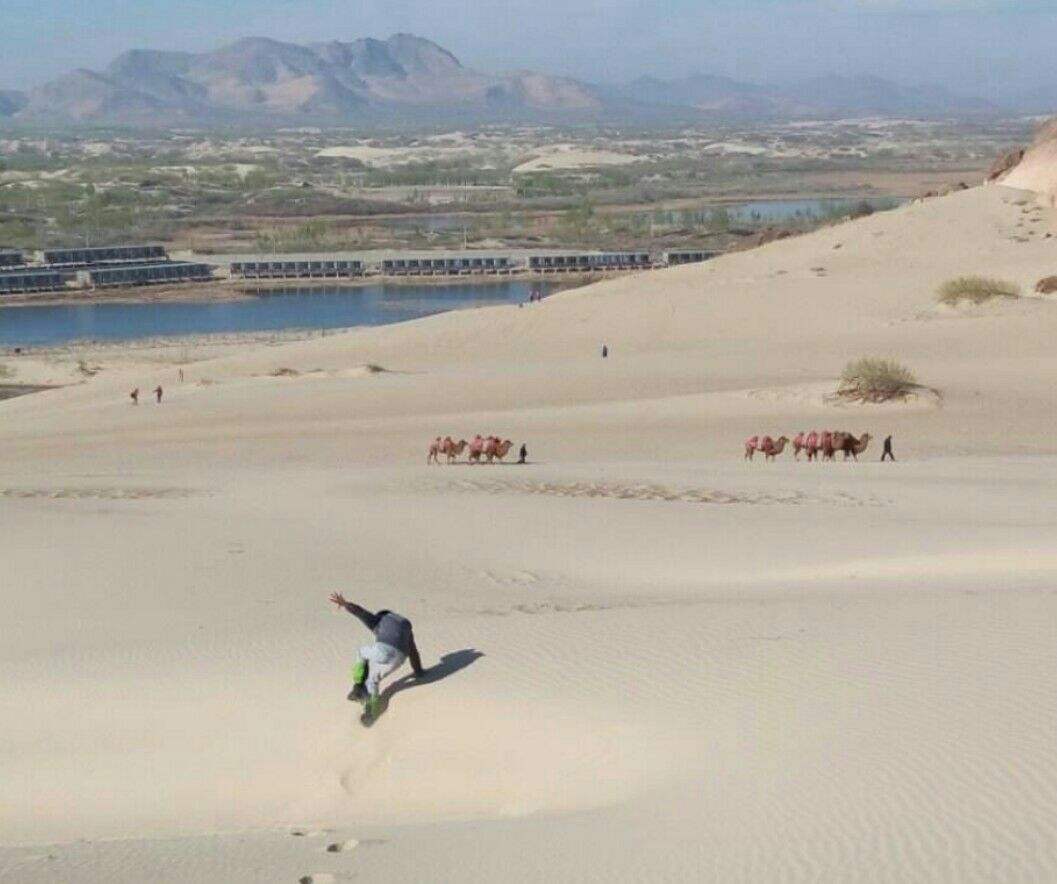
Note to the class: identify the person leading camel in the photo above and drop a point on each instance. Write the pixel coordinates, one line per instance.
(394, 642)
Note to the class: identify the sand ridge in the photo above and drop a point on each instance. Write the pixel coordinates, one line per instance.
(654, 659)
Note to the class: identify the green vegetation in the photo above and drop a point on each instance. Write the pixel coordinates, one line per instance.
(315, 235)
(876, 380)
(228, 191)
(6, 372)
(976, 289)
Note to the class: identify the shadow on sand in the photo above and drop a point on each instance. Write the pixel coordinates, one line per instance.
(448, 665)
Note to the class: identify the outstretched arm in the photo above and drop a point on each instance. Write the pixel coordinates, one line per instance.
(365, 617)
(416, 660)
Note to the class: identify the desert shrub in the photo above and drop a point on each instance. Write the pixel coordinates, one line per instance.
(6, 371)
(976, 289)
(876, 380)
(1047, 285)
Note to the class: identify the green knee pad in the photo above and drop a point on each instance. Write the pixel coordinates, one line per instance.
(373, 705)
(359, 672)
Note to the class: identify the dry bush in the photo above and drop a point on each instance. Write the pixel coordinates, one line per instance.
(1047, 285)
(876, 380)
(976, 289)
(6, 371)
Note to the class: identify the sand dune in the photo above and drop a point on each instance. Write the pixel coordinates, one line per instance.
(1037, 171)
(655, 661)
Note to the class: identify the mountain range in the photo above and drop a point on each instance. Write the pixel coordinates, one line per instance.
(408, 79)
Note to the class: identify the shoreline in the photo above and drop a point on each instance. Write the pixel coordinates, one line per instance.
(195, 340)
(231, 290)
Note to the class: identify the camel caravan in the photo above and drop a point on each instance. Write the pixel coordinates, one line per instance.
(482, 449)
(817, 445)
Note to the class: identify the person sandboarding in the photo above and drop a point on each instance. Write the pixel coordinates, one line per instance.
(394, 642)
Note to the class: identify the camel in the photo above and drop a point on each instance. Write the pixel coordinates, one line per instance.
(434, 451)
(811, 445)
(798, 445)
(839, 438)
(496, 449)
(852, 446)
(826, 444)
(476, 449)
(454, 449)
(766, 445)
(771, 448)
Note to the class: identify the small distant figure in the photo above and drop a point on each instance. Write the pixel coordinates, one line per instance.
(134, 396)
(605, 351)
(888, 450)
(523, 454)
(180, 374)
(157, 393)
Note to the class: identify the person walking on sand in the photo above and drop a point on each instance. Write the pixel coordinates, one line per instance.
(887, 450)
(605, 351)
(523, 453)
(394, 642)
(157, 392)
(134, 396)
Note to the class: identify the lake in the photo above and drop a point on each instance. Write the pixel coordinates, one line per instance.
(294, 308)
(766, 211)
(772, 211)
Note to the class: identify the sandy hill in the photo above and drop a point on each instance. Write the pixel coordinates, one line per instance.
(654, 660)
(1037, 171)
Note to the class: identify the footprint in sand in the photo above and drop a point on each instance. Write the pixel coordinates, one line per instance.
(509, 578)
(318, 878)
(342, 846)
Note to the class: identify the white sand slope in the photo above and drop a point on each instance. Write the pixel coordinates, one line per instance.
(656, 662)
(1037, 171)
(570, 156)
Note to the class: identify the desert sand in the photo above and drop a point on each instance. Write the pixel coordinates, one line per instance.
(656, 661)
(570, 156)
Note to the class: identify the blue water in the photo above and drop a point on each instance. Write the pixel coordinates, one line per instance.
(751, 212)
(308, 308)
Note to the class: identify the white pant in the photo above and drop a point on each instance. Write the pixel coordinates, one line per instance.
(382, 659)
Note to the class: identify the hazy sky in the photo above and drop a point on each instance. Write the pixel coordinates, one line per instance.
(976, 46)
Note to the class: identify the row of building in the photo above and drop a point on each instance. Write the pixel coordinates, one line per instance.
(55, 270)
(136, 265)
(586, 262)
(23, 281)
(11, 258)
(102, 256)
(297, 269)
